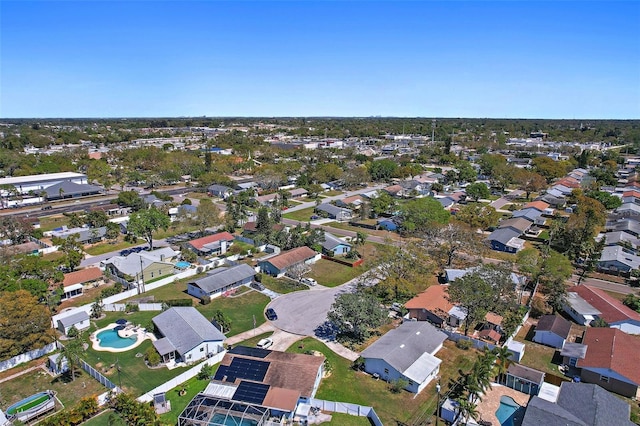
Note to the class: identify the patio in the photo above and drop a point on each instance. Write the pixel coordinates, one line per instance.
(491, 402)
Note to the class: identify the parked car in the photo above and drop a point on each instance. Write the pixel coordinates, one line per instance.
(314, 217)
(308, 281)
(264, 344)
(257, 286)
(271, 314)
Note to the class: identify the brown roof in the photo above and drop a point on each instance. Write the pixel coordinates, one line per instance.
(519, 223)
(490, 334)
(555, 324)
(220, 236)
(82, 276)
(539, 205)
(353, 198)
(283, 399)
(526, 373)
(569, 182)
(493, 318)
(634, 193)
(434, 299)
(393, 189)
(611, 309)
(294, 372)
(291, 257)
(610, 348)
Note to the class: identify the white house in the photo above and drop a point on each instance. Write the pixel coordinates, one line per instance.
(552, 330)
(187, 335)
(79, 320)
(407, 353)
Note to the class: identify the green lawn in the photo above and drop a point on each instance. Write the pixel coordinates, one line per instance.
(303, 215)
(536, 356)
(282, 285)
(332, 274)
(345, 384)
(47, 223)
(179, 403)
(67, 390)
(339, 419)
(108, 247)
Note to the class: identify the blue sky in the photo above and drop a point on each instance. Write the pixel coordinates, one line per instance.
(504, 59)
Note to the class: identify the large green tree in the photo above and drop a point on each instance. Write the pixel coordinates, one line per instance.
(355, 315)
(144, 223)
(477, 190)
(419, 215)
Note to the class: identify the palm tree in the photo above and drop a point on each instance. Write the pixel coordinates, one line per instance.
(503, 361)
(467, 409)
(71, 352)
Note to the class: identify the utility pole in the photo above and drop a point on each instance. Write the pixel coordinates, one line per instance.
(433, 130)
(141, 283)
(438, 388)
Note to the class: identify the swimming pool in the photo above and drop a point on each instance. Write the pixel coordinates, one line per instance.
(220, 419)
(182, 264)
(505, 413)
(110, 339)
(32, 406)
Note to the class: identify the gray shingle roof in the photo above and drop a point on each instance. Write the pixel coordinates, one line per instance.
(593, 405)
(70, 189)
(503, 235)
(541, 412)
(74, 319)
(132, 263)
(555, 324)
(186, 328)
(331, 241)
(222, 277)
(333, 210)
(402, 346)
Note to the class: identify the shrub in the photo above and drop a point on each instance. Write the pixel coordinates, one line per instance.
(131, 307)
(538, 308)
(206, 372)
(464, 344)
(178, 302)
(396, 386)
(358, 364)
(152, 356)
(205, 300)
(258, 277)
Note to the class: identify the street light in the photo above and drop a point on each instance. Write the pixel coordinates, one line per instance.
(438, 388)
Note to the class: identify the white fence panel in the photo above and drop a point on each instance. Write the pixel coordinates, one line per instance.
(347, 408)
(26, 357)
(114, 307)
(178, 380)
(150, 306)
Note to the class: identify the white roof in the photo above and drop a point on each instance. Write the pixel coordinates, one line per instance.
(422, 368)
(220, 390)
(549, 392)
(72, 288)
(16, 180)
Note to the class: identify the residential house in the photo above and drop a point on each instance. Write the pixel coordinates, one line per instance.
(220, 191)
(141, 267)
(78, 319)
(354, 201)
(628, 225)
(506, 240)
(415, 187)
(221, 280)
(186, 335)
(523, 379)
(407, 352)
(555, 201)
(74, 282)
(519, 224)
(259, 387)
(611, 360)
(608, 308)
(622, 239)
(84, 235)
(578, 404)
(449, 200)
(334, 246)
(268, 199)
(335, 212)
(579, 309)
(395, 190)
(433, 305)
(56, 365)
(617, 259)
(552, 330)
(530, 214)
(632, 196)
(572, 352)
(211, 245)
(539, 205)
(388, 224)
(298, 193)
(282, 263)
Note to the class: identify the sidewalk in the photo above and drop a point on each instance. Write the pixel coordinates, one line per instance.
(340, 350)
(264, 328)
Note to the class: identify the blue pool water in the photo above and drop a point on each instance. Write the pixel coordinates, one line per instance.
(219, 419)
(506, 411)
(110, 339)
(182, 264)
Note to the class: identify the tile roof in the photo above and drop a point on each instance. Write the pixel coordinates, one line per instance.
(291, 257)
(539, 205)
(201, 242)
(490, 334)
(612, 349)
(611, 309)
(82, 276)
(493, 318)
(393, 189)
(434, 299)
(555, 324)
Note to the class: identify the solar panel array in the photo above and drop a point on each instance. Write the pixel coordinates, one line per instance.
(253, 393)
(242, 368)
(247, 351)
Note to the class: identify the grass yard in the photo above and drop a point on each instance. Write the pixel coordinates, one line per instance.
(106, 247)
(106, 418)
(332, 274)
(282, 285)
(67, 390)
(339, 419)
(379, 233)
(47, 223)
(348, 385)
(536, 356)
(179, 403)
(303, 215)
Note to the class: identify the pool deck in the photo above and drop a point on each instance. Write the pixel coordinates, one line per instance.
(125, 333)
(491, 401)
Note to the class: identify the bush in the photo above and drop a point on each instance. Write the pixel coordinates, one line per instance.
(397, 386)
(152, 356)
(131, 307)
(358, 364)
(178, 302)
(538, 308)
(206, 372)
(464, 344)
(258, 277)
(205, 300)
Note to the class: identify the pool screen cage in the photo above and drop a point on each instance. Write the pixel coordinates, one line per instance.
(206, 410)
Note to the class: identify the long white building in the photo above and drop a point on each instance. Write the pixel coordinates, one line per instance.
(36, 183)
